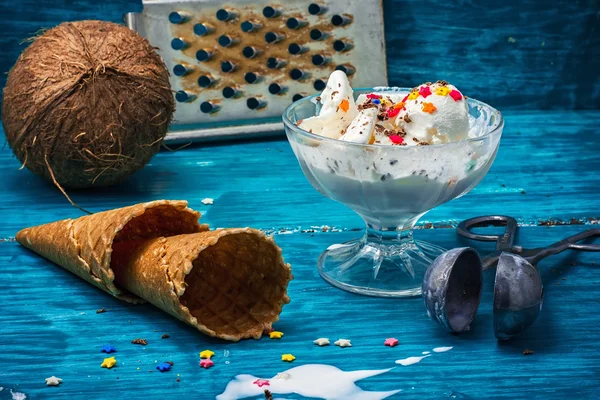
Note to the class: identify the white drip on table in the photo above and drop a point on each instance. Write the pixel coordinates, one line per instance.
(319, 381)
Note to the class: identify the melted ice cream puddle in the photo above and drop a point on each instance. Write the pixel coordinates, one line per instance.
(441, 349)
(311, 380)
(411, 360)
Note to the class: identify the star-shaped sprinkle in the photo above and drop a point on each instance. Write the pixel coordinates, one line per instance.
(322, 341)
(396, 139)
(442, 90)
(343, 343)
(206, 363)
(344, 105)
(108, 362)
(276, 335)
(282, 375)
(425, 91)
(287, 357)
(163, 367)
(53, 381)
(373, 96)
(455, 94)
(207, 354)
(391, 342)
(107, 348)
(429, 108)
(208, 201)
(412, 96)
(261, 382)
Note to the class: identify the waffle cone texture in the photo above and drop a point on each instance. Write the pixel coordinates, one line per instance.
(227, 283)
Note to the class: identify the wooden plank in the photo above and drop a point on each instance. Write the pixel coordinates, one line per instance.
(49, 327)
(549, 155)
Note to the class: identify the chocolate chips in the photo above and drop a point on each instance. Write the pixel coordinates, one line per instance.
(407, 119)
(143, 342)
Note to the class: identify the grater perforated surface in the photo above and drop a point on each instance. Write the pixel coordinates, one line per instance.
(242, 63)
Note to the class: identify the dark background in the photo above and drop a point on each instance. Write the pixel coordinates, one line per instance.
(514, 54)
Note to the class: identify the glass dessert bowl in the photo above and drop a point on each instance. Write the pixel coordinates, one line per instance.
(390, 187)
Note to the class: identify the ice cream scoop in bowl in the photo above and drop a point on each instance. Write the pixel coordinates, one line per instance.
(389, 185)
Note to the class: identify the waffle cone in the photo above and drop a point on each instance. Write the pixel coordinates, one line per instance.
(228, 283)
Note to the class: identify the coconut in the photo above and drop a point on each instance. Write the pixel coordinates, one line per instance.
(87, 104)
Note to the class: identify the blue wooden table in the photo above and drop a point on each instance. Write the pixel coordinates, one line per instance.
(545, 175)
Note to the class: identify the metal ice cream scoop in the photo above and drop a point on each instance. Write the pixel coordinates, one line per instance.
(452, 284)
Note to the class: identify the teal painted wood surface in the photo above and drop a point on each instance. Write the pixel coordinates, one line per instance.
(521, 56)
(43, 331)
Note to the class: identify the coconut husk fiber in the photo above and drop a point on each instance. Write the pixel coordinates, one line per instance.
(227, 283)
(87, 104)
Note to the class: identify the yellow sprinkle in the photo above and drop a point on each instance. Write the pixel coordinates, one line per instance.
(413, 95)
(442, 91)
(108, 362)
(276, 335)
(207, 354)
(287, 357)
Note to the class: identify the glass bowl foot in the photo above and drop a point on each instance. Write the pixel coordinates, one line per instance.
(376, 269)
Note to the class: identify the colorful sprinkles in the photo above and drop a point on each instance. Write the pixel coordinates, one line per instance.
(275, 335)
(390, 342)
(107, 348)
(287, 357)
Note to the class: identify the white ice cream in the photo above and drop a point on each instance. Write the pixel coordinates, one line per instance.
(430, 114)
(337, 111)
(438, 113)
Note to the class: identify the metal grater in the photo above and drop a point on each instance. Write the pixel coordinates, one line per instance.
(236, 66)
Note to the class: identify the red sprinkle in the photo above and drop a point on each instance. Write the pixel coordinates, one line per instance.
(373, 96)
(455, 94)
(392, 112)
(396, 139)
(425, 91)
(404, 99)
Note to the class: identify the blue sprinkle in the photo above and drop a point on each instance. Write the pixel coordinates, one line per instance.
(162, 367)
(376, 101)
(107, 348)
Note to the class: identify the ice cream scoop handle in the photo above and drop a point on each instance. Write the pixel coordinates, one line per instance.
(568, 243)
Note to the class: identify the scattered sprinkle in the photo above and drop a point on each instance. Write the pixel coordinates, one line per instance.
(163, 367)
(143, 342)
(344, 105)
(425, 91)
(527, 352)
(373, 96)
(276, 335)
(396, 139)
(322, 342)
(208, 201)
(268, 395)
(390, 342)
(412, 96)
(165, 336)
(511, 39)
(343, 343)
(287, 357)
(429, 108)
(207, 354)
(101, 310)
(261, 382)
(442, 90)
(53, 381)
(455, 94)
(206, 363)
(108, 363)
(107, 348)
